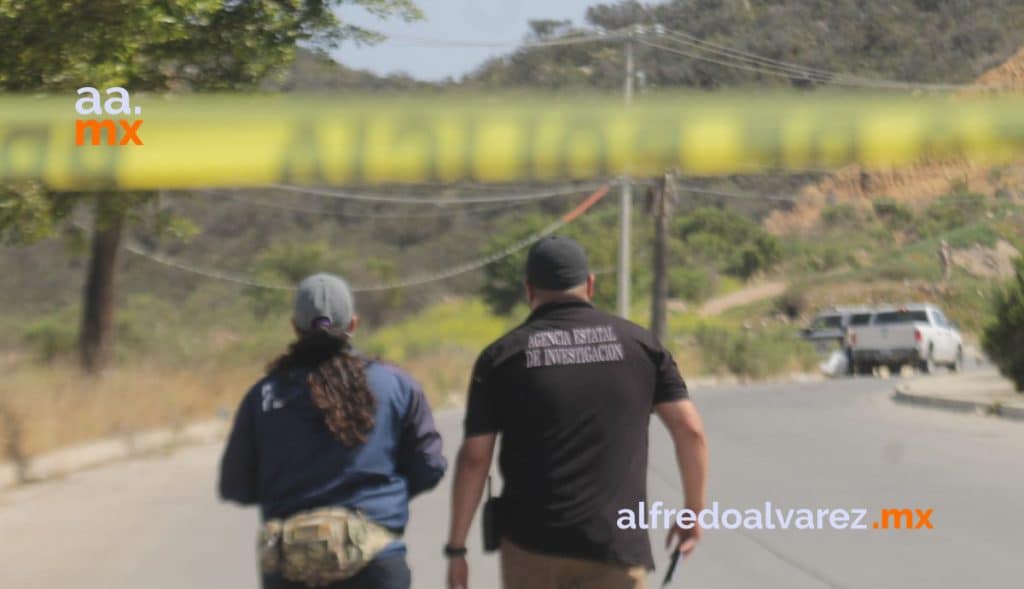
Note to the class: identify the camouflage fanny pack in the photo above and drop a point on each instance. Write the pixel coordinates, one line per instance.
(321, 546)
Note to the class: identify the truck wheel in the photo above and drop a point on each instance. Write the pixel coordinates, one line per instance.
(863, 368)
(958, 363)
(927, 365)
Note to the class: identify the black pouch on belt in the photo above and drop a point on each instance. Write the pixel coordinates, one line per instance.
(492, 535)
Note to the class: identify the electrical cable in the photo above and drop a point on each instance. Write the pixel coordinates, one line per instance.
(463, 268)
(443, 212)
(431, 200)
(740, 59)
(592, 36)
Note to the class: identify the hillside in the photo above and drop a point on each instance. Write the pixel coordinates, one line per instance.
(907, 40)
(916, 185)
(1008, 75)
(373, 244)
(192, 337)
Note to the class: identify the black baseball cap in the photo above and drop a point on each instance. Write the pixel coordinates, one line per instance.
(556, 263)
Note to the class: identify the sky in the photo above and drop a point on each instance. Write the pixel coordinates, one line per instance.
(474, 21)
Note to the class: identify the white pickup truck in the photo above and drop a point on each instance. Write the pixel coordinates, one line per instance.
(919, 335)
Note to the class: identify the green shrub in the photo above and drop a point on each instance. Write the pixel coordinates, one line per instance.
(596, 231)
(753, 353)
(286, 263)
(842, 215)
(53, 336)
(914, 265)
(953, 211)
(792, 303)
(716, 230)
(758, 255)
(691, 283)
(1003, 338)
(455, 324)
(823, 258)
(978, 233)
(727, 241)
(894, 214)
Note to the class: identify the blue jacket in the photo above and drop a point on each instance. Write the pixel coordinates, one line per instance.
(281, 455)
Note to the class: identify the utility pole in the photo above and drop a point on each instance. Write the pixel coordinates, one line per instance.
(626, 203)
(662, 200)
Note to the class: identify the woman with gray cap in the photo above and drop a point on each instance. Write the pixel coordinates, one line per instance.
(331, 446)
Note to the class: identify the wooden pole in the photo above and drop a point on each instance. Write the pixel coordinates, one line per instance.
(663, 200)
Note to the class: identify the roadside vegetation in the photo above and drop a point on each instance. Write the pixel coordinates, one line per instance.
(184, 357)
(1004, 335)
(180, 346)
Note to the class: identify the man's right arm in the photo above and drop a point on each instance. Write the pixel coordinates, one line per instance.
(687, 430)
(471, 469)
(473, 464)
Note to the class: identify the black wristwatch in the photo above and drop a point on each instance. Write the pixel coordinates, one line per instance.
(453, 552)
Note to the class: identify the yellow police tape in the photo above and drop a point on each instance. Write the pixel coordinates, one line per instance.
(212, 141)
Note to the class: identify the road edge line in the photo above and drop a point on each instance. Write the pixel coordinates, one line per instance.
(902, 396)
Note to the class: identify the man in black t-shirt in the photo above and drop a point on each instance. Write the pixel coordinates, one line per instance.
(571, 391)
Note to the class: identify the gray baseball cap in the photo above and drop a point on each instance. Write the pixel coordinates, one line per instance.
(323, 300)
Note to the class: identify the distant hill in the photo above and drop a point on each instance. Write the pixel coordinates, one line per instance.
(315, 72)
(910, 40)
(921, 183)
(915, 40)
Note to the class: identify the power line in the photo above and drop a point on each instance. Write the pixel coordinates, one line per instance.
(705, 58)
(725, 55)
(749, 61)
(588, 36)
(733, 194)
(204, 272)
(415, 281)
(729, 194)
(680, 35)
(143, 252)
(433, 200)
(753, 64)
(444, 212)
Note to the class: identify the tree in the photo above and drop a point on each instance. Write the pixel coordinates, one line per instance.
(503, 280)
(145, 45)
(1003, 338)
(727, 241)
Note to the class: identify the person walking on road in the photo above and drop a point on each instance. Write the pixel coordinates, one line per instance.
(571, 391)
(332, 447)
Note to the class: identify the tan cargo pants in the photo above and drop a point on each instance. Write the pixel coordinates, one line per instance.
(521, 569)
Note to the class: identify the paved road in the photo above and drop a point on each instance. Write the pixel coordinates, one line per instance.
(154, 523)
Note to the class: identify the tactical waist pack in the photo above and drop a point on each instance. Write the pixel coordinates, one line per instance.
(321, 546)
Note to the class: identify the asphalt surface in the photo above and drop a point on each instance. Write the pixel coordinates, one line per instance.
(156, 523)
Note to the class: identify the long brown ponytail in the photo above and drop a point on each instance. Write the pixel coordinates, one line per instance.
(336, 380)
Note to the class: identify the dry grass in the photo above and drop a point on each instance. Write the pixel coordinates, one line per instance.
(55, 405)
(44, 407)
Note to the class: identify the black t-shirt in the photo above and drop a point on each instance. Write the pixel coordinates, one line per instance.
(571, 390)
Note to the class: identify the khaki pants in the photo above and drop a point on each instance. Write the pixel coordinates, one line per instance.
(528, 570)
